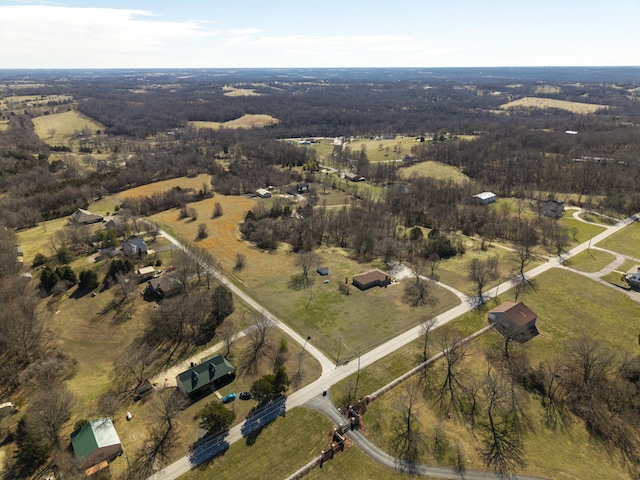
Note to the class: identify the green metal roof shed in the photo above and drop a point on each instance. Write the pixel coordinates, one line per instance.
(96, 441)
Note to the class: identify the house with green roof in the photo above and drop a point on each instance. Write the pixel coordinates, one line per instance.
(95, 442)
(208, 375)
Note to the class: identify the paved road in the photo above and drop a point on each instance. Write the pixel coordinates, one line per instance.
(332, 374)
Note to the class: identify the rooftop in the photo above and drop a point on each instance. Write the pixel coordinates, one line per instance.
(518, 312)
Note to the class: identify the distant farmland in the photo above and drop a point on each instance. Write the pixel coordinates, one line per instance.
(535, 102)
(56, 129)
(245, 121)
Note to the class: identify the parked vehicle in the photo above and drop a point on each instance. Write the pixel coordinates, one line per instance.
(228, 398)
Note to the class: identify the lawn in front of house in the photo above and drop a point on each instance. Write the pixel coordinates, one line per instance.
(625, 241)
(592, 260)
(277, 451)
(579, 232)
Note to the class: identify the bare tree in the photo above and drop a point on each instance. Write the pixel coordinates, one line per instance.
(418, 292)
(259, 336)
(426, 326)
(503, 450)
(555, 411)
(408, 442)
(432, 263)
(227, 333)
(306, 261)
(450, 395)
(50, 410)
(163, 434)
(481, 272)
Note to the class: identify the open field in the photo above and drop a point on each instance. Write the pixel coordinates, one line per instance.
(377, 149)
(245, 121)
(535, 102)
(163, 186)
(591, 260)
(626, 241)
(548, 89)
(278, 450)
(239, 92)
(64, 125)
(597, 218)
(437, 170)
(4, 124)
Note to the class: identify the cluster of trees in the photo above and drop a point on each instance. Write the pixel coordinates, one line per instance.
(586, 383)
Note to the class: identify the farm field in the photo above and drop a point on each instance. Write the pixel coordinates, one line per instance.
(64, 125)
(377, 149)
(432, 169)
(230, 91)
(626, 241)
(538, 102)
(245, 121)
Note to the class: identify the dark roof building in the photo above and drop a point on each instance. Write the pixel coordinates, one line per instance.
(210, 374)
(371, 278)
(298, 188)
(162, 287)
(322, 270)
(553, 208)
(353, 177)
(134, 247)
(95, 442)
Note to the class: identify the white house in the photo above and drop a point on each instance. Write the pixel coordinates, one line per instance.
(263, 193)
(484, 198)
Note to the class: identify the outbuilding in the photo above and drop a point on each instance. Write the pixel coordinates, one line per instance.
(96, 442)
(85, 217)
(484, 198)
(372, 278)
(263, 193)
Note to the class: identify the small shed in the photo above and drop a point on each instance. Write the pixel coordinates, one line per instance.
(513, 318)
(95, 442)
(632, 277)
(484, 198)
(145, 273)
(210, 374)
(370, 279)
(322, 270)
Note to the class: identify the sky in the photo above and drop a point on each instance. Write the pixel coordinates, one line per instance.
(318, 34)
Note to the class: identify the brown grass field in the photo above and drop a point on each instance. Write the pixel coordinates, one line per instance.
(65, 124)
(437, 170)
(536, 102)
(240, 92)
(246, 121)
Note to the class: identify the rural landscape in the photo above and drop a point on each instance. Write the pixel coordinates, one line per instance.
(320, 273)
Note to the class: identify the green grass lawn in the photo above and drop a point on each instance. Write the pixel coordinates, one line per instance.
(437, 170)
(377, 149)
(281, 448)
(579, 232)
(454, 271)
(626, 241)
(326, 315)
(597, 218)
(591, 260)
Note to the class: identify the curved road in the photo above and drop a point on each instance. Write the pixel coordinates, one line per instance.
(332, 374)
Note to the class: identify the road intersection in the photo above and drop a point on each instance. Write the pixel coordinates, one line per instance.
(331, 373)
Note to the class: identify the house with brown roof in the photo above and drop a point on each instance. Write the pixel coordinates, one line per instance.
(372, 278)
(514, 319)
